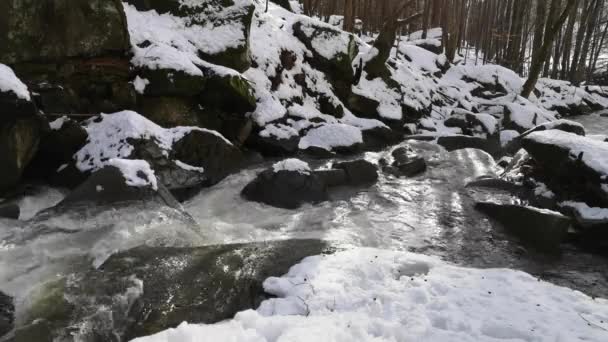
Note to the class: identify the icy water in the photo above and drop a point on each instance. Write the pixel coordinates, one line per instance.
(594, 123)
(431, 214)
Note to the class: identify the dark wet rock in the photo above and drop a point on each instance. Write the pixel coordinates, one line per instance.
(53, 30)
(7, 313)
(412, 167)
(216, 156)
(74, 57)
(541, 229)
(9, 210)
(272, 146)
(359, 172)
(570, 176)
(231, 93)
(169, 111)
(459, 142)
(339, 68)
(14, 107)
(333, 177)
(604, 115)
(286, 189)
(19, 141)
(379, 137)
(108, 186)
(166, 82)
(405, 163)
(57, 147)
(149, 289)
(363, 106)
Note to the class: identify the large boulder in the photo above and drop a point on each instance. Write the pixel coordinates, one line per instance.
(52, 30)
(523, 117)
(122, 181)
(181, 157)
(149, 289)
(288, 184)
(20, 128)
(333, 52)
(222, 27)
(72, 55)
(573, 166)
(573, 127)
(57, 146)
(541, 229)
(359, 172)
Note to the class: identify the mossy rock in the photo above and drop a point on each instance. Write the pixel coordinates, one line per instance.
(45, 30)
(165, 82)
(89, 85)
(232, 93)
(212, 13)
(18, 144)
(169, 111)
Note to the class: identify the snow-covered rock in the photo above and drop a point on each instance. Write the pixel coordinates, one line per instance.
(365, 294)
(579, 165)
(177, 155)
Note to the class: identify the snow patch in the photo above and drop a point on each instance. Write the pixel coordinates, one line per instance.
(331, 136)
(10, 82)
(367, 294)
(137, 173)
(292, 164)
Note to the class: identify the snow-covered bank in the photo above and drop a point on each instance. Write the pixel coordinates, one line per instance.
(377, 295)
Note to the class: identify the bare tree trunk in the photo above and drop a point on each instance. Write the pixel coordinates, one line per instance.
(538, 60)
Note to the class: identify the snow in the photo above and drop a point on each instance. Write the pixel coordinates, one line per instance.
(507, 136)
(164, 41)
(10, 82)
(586, 212)
(595, 153)
(137, 173)
(57, 124)
(331, 136)
(527, 116)
(325, 39)
(366, 294)
(489, 122)
(292, 165)
(140, 84)
(109, 136)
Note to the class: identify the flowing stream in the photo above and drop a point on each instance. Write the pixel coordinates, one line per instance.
(431, 214)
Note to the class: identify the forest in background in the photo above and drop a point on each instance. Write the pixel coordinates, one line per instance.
(562, 39)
